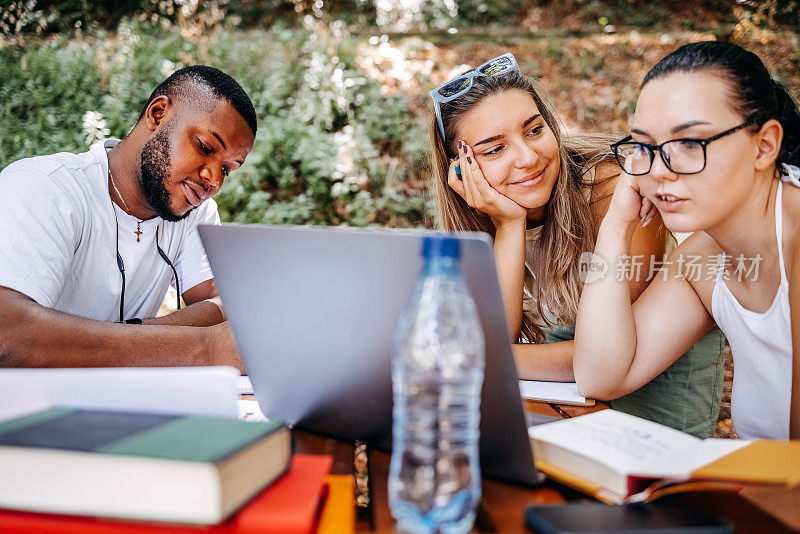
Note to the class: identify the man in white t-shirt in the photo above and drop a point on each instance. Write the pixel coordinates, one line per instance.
(90, 242)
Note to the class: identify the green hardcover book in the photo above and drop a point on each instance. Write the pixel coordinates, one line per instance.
(184, 469)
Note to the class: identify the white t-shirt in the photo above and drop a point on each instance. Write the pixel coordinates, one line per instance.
(58, 239)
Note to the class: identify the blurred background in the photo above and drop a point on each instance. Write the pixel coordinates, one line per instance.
(341, 88)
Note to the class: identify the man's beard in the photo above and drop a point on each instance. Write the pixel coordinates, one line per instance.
(154, 170)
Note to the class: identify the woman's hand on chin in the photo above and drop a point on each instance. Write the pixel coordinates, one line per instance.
(466, 179)
(628, 205)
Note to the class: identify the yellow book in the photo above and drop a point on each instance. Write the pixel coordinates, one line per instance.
(767, 462)
(339, 513)
(617, 458)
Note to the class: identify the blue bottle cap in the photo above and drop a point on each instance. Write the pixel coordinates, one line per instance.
(440, 246)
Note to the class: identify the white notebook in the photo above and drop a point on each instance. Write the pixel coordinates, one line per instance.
(556, 392)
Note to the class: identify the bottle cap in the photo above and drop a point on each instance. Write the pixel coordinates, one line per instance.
(440, 246)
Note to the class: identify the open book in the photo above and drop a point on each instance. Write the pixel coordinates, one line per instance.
(617, 457)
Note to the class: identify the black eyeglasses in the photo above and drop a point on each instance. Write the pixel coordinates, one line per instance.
(681, 156)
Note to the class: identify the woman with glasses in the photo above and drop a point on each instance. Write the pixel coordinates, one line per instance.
(503, 166)
(714, 150)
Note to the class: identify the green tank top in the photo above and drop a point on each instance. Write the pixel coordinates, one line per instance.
(686, 396)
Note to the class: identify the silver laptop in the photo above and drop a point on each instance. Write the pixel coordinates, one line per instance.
(313, 312)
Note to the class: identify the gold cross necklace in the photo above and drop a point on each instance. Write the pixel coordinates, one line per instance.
(138, 231)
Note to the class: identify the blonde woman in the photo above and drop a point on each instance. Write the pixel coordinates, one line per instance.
(503, 166)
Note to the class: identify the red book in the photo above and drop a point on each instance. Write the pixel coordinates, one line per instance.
(290, 505)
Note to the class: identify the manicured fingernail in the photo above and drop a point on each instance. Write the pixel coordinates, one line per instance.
(647, 222)
(458, 172)
(465, 148)
(459, 144)
(469, 160)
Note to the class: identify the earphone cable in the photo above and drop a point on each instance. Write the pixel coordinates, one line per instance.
(120, 266)
(174, 271)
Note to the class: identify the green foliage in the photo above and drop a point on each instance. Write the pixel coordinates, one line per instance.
(441, 14)
(51, 16)
(316, 156)
(35, 119)
(332, 148)
(200, 17)
(489, 12)
(337, 143)
(624, 12)
(56, 16)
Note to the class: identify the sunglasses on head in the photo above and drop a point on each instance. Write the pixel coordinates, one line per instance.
(459, 85)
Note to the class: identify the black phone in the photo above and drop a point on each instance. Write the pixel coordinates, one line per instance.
(599, 518)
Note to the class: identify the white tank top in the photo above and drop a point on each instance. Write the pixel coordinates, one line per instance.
(761, 344)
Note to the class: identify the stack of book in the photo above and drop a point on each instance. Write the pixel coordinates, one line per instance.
(94, 471)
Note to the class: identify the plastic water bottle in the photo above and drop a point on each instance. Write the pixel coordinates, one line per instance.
(437, 374)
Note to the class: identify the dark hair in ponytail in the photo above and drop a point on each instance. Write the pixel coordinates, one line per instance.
(754, 94)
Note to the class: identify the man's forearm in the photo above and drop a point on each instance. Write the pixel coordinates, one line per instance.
(203, 313)
(34, 336)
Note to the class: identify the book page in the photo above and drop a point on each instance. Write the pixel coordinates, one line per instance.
(249, 410)
(559, 392)
(620, 441)
(17, 400)
(207, 391)
(679, 466)
(244, 385)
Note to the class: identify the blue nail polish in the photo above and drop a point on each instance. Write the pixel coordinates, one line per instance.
(458, 172)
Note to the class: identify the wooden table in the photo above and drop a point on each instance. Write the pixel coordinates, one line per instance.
(502, 504)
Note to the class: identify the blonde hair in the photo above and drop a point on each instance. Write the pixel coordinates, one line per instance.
(569, 227)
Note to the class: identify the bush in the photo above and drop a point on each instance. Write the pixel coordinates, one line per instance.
(332, 148)
(36, 120)
(316, 157)
(51, 16)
